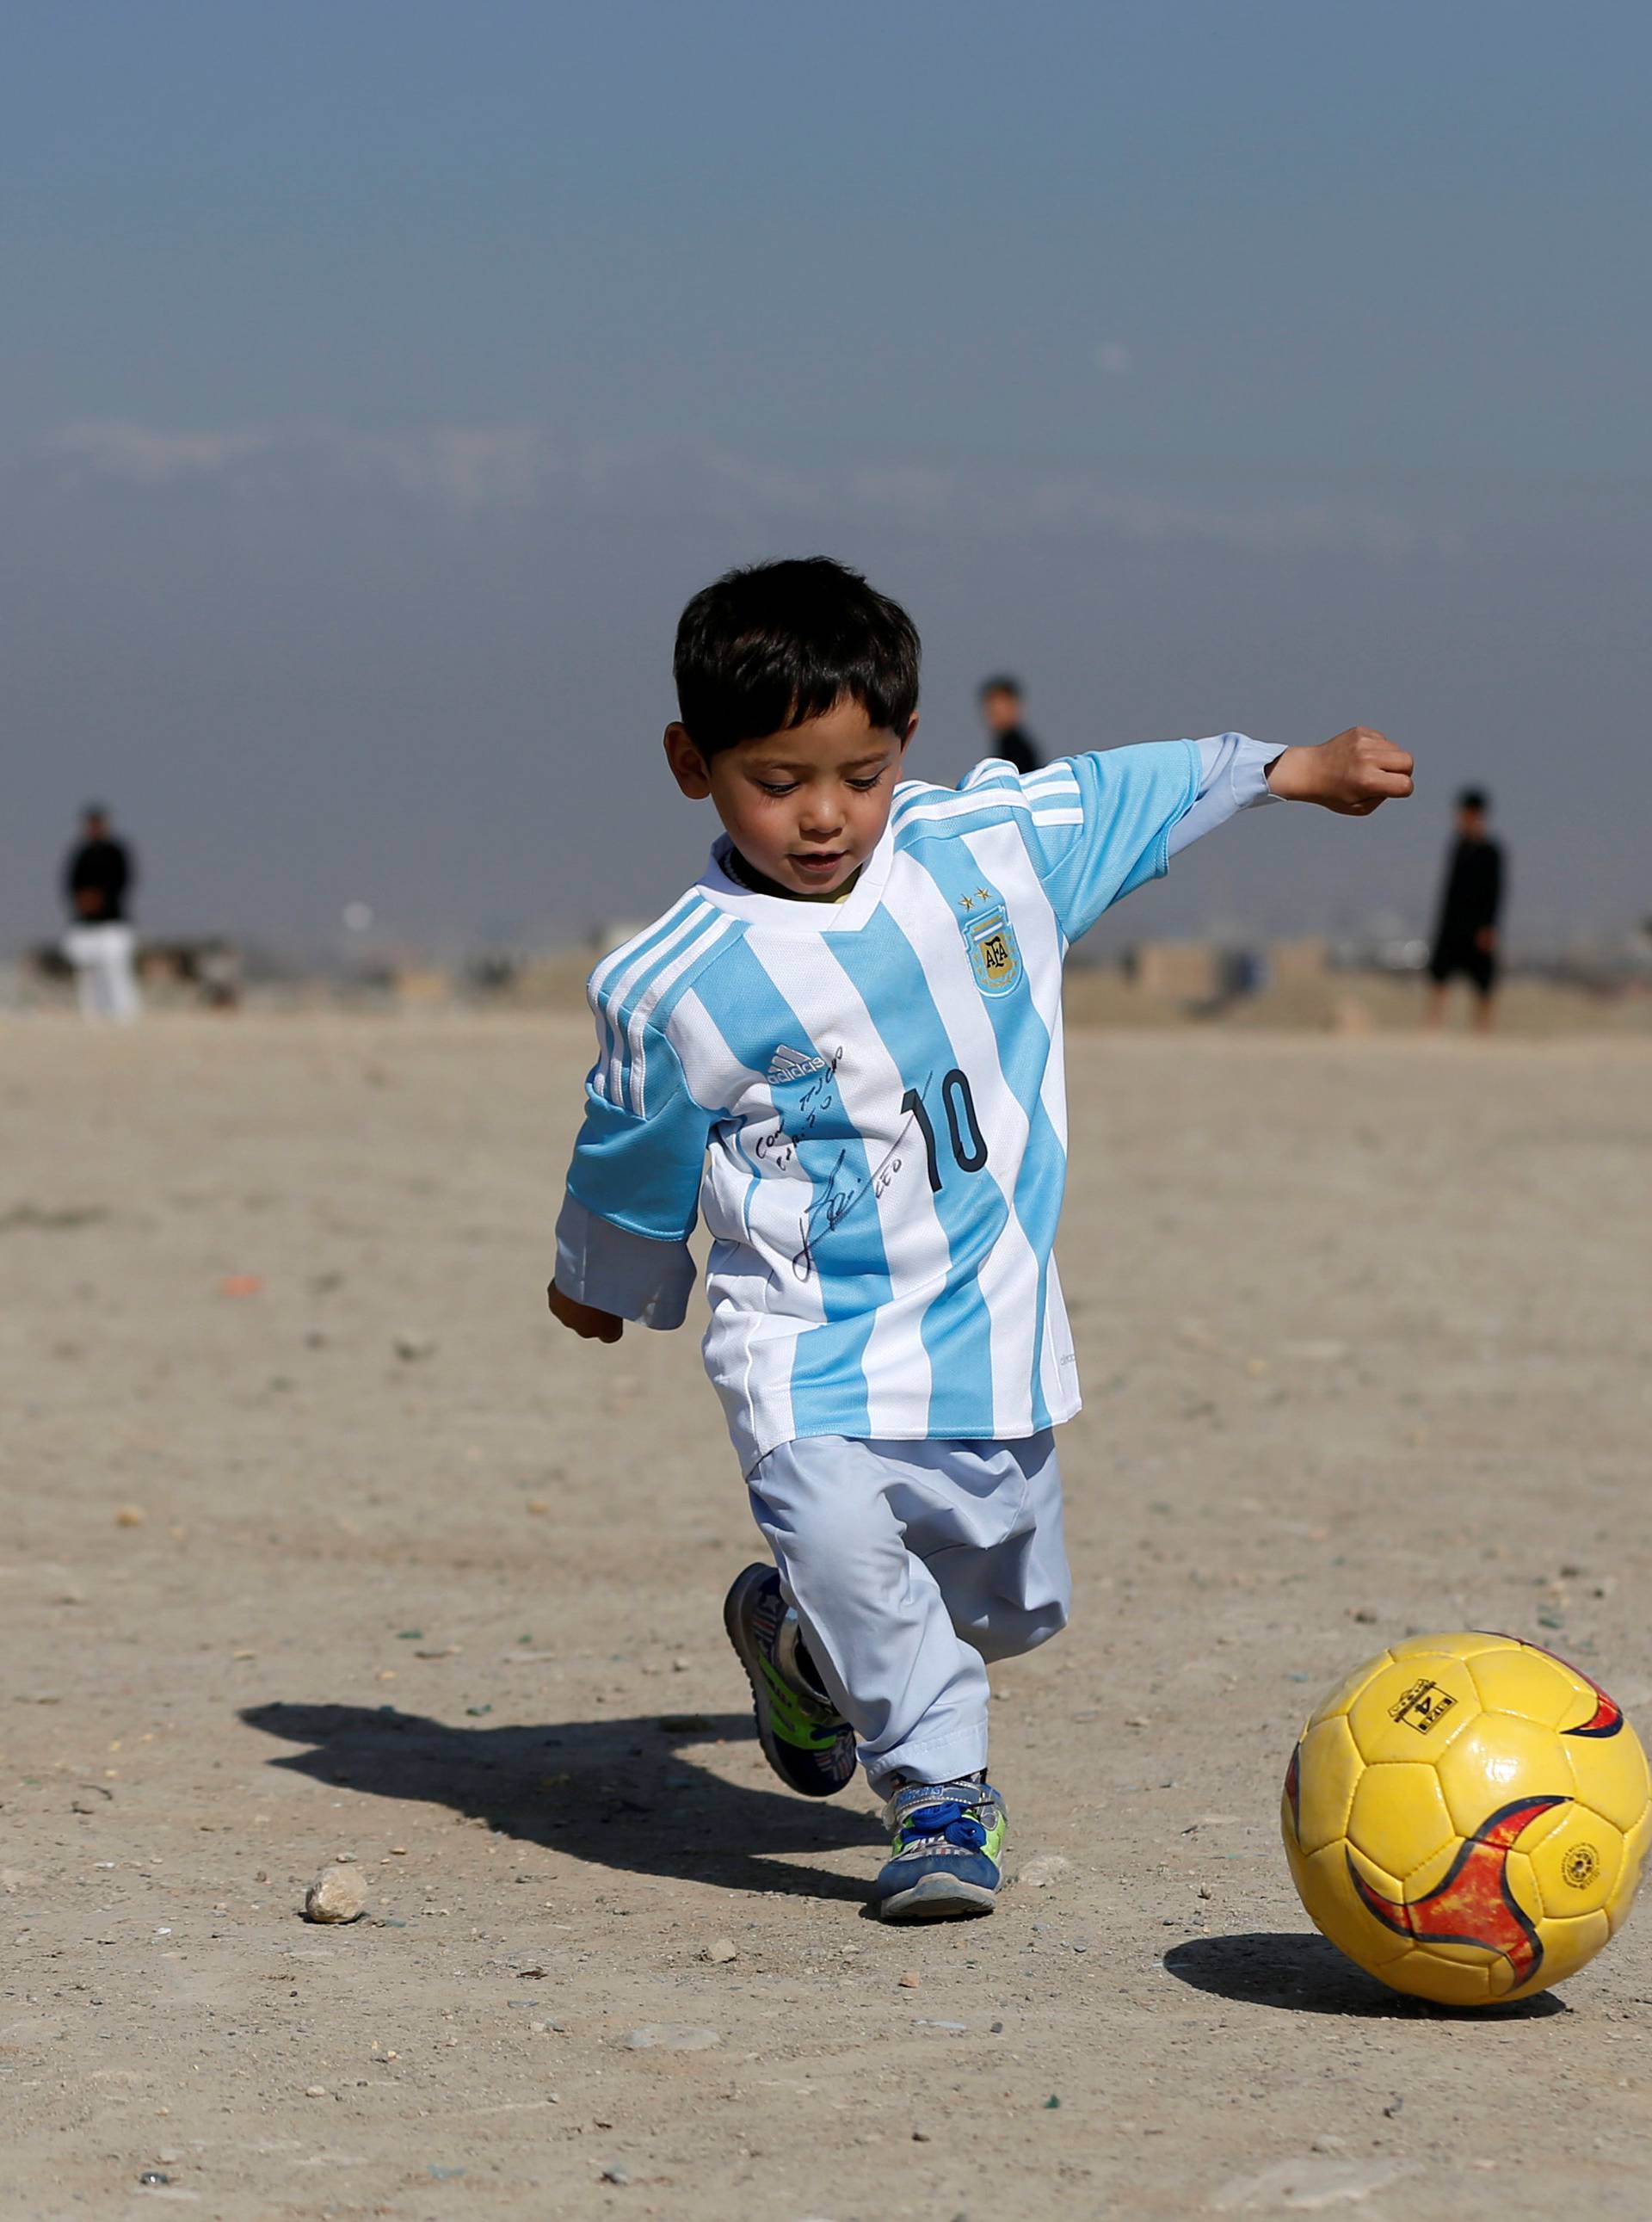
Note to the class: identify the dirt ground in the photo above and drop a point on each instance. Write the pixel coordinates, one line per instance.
(320, 1541)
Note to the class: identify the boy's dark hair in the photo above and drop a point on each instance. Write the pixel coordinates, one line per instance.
(1474, 798)
(1000, 683)
(764, 649)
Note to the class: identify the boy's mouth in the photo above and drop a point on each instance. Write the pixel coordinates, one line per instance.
(819, 863)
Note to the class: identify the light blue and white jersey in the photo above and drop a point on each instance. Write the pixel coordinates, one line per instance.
(865, 1101)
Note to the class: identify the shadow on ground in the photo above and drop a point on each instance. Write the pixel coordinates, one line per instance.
(618, 1793)
(1305, 1974)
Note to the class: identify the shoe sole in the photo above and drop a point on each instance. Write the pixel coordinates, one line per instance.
(734, 1621)
(938, 1897)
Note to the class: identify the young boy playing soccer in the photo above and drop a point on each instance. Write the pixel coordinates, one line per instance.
(843, 1047)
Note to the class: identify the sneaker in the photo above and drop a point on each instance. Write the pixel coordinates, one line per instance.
(804, 1738)
(945, 1859)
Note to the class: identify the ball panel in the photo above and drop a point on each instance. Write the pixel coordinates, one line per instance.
(1327, 1890)
(1568, 1946)
(1527, 1683)
(1399, 1819)
(1426, 1975)
(1467, 1643)
(1579, 1864)
(1348, 1689)
(1611, 1774)
(1413, 1708)
(1328, 1769)
(1496, 1760)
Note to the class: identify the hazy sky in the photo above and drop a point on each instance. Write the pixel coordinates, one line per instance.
(380, 379)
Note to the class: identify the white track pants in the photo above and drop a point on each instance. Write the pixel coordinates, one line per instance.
(101, 956)
(912, 1565)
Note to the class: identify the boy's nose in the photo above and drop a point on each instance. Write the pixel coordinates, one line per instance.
(820, 815)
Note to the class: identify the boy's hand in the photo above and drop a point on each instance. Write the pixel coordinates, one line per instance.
(1353, 774)
(584, 1319)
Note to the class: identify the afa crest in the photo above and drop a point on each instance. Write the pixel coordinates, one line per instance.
(994, 953)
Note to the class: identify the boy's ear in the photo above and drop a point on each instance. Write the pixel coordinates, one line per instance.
(911, 727)
(688, 766)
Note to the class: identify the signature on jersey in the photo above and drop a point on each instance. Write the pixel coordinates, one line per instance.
(839, 1199)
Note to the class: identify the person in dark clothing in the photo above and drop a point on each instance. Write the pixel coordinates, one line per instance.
(99, 872)
(1464, 938)
(1000, 698)
(96, 881)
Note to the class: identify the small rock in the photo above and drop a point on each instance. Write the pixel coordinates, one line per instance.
(720, 1951)
(616, 2173)
(679, 1666)
(314, 2090)
(1039, 1872)
(911, 1979)
(152, 2175)
(1393, 2107)
(920, 2137)
(338, 1893)
(411, 1347)
(130, 1516)
(671, 2037)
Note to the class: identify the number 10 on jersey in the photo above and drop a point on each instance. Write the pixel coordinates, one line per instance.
(963, 1127)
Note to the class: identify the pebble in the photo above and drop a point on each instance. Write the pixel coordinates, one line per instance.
(130, 1516)
(671, 2037)
(338, 1893)
(314, 2090)
(1039, 1872)
(911, 1979)
(616, 2174)
(720, 1951)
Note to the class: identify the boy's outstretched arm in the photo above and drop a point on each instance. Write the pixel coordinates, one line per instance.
(1354, 774)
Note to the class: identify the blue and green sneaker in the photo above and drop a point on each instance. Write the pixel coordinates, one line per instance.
(947, 1853)
(804, 1738)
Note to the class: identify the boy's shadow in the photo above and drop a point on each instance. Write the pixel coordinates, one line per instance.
(614, 1792)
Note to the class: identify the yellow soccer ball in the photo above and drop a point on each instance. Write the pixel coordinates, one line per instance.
(1465, 1816)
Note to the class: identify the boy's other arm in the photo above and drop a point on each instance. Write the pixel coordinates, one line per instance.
(633, 1187)
(605, 1275)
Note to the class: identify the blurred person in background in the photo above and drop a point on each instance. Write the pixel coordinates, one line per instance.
(1464, 938)
(1000, 698)
(97, 879)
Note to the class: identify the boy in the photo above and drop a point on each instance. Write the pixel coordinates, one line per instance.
(844, 1045)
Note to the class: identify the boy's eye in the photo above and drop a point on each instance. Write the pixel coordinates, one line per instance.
(866, 785)
(771, 787)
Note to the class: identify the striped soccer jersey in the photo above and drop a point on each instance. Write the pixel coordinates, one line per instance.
(865, 1100)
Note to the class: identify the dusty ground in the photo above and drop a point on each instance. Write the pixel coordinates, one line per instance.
(320, 1541)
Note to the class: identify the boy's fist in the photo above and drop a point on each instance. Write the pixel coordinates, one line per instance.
(584, 1319)
(1352, 774)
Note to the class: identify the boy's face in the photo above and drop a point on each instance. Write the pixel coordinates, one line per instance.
(806, 806)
